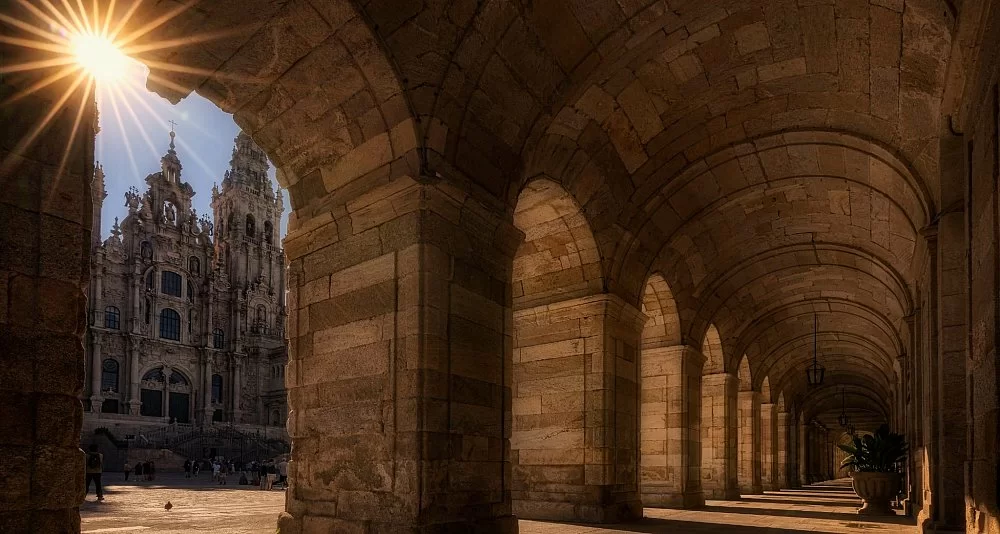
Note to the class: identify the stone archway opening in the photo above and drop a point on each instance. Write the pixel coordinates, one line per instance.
(670, 405)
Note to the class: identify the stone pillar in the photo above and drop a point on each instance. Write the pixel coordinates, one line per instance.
(769, 447)
(237, 391)
(803, 455)
(574, 445)
(134, 397)
(399, 372)
(166, 392)
(718, 436)
(96, 398)
(749, 443)
(784, 456)
(670, 427)
(45, 235)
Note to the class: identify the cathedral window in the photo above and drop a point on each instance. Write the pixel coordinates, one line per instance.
(146, 251)
(261, 316)
(178, 379)
(216, 389)
(112, 318)
(194, 266)
(109, 375)
(268, 231)
(170, 283)
(218, 339)
(170, 325)
(251, 226)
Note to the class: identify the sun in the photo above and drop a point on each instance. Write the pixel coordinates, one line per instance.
(99, 57)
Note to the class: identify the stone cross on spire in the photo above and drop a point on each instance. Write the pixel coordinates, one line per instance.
(172, 134)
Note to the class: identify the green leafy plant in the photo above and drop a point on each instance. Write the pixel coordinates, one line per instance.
(880, 452)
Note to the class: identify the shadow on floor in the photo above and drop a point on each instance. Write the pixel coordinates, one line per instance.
(805, 514)
(776, 499)
(649, 525)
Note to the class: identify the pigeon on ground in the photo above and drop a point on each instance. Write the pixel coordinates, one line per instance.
(168, 506)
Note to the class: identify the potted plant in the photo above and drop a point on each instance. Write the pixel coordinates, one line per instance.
(874, 461)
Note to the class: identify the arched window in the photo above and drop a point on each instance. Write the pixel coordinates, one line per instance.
(268, 231)
(216, 389)
(154, 375)
(251, 226)
(112, 318)
(109, 375)
(178, 379)
(146, 251)
(170, 283)
(218, 339)
(194, 266)
(170, 325)
(261, 314)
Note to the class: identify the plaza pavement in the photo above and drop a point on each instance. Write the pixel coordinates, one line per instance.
(203, 507)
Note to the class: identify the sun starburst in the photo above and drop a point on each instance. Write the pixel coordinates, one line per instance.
(103, 52)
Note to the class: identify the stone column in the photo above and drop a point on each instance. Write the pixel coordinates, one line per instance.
(784, 456)
(718, 436)
(134, 397)
(803, 456)
(166, 392)
(237, 391)
(399, 372)
(96, 398)
(670, 427)
(769, 447)
(574, 445)
(749, 443)
(45, 236)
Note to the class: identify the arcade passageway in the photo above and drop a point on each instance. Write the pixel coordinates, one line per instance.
(563, 259)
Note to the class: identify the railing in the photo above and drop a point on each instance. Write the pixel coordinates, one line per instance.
(219, 440)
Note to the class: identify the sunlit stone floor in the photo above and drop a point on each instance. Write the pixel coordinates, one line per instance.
(200, 506)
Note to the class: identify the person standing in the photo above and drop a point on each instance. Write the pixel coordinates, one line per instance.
(187, 468)
(95, 466)
(283, 473)
(152, 470)
(139, 473)
(262, 472)
(128, 470)
(223, 471)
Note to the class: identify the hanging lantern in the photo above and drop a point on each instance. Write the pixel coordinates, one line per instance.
(815, 372)
(844, 420)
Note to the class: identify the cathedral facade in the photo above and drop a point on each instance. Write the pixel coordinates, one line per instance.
(187, 313)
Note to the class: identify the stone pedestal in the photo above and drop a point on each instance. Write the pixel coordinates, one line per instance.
(749, 443)
(574, 445)
(718, 436)
(670, 427)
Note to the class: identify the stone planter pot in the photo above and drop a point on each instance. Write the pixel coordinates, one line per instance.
(876, 490)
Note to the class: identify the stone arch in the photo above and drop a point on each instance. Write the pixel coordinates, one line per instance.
(711, 348)
(670, 405)
(559, 258)
(663, 328)
(743, 374)
(765, 390)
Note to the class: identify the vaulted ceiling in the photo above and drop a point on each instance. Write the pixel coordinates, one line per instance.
(769, 161)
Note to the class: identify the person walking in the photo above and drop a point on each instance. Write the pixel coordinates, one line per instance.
(151, 470)
(223, 471)
(215, 470)
(138, 471)
(187, 468)
(128, 471)
(95, 466)
(196, 468)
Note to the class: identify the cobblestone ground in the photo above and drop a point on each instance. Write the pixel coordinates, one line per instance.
(200, 506)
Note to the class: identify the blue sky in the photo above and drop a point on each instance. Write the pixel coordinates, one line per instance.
(131, 148)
